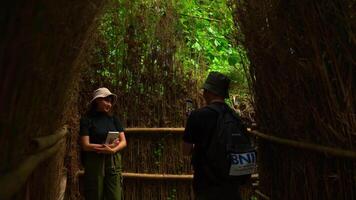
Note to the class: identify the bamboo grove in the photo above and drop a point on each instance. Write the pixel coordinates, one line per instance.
(294, 60)
(303, 78)
(154, 55)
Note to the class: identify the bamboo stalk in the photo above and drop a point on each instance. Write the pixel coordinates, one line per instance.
(155, 130)
(41, 143)
(45, 146)
(303, 145)
(309, 146)
(12, 181)
(151, 176)
(158, 176)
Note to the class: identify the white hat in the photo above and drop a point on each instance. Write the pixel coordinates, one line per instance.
(103, 92)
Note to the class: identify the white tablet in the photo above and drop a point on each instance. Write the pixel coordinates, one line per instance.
(111, 137)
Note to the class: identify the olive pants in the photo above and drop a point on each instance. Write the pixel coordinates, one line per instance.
(102, 178)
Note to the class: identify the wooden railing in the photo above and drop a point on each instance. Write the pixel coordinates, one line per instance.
(167, 177)
(146, 176)
(132, 175)
(42, 148)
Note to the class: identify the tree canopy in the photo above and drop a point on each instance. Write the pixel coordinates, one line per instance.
(198, 36)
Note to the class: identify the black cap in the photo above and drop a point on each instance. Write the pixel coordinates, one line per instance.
(218, 84)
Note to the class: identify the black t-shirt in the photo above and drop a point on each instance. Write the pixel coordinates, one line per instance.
(97, 126)
(201, 123)
(200, 126)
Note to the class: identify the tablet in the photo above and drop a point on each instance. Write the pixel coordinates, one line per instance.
(111, 137)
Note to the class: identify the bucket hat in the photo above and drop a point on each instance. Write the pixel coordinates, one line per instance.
(103, 92)
(218, 84)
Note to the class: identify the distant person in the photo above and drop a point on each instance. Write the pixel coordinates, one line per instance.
(102, 162)
(201, 140)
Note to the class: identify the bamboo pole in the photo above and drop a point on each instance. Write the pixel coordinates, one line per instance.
(303, 145)
(308, 146)
(144, 176)
(151, 176)
(155, 130)
(41, 143)
(158, 176)
(12, 181)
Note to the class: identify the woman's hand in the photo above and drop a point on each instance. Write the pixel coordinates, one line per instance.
(115, 143)
(87, 146)
(105, 149)
(116, 146)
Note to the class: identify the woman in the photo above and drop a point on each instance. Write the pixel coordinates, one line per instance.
(102, 162)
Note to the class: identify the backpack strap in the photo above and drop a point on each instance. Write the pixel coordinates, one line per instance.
(218, 130)
(215, 108)
(227, 108)
(221, 112)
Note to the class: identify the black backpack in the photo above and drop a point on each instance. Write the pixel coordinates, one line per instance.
(229, 154)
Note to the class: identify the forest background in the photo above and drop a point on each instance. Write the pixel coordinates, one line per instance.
(155, 49)
(155, 55)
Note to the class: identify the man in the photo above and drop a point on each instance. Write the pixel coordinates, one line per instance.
(200, 126)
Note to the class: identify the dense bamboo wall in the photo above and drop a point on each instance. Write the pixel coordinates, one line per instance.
(152, 86)
(151, 93)
(39, 42)
(42, 47)
(303, 75)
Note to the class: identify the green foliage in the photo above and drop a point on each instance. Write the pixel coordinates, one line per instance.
(172, 194)
(111, 51)
(203, 35)
(209, 31)
(253, 198)
(157, 152)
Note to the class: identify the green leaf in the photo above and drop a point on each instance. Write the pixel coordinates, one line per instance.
(217, 43)
(196, 46)
(233, 60)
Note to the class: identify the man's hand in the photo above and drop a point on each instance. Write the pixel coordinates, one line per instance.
(105, 149)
